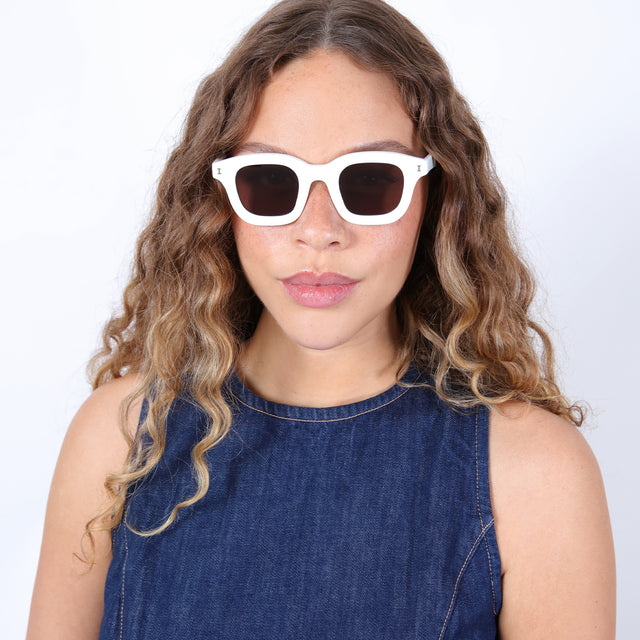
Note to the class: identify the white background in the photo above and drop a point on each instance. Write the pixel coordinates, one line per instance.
(93, 97)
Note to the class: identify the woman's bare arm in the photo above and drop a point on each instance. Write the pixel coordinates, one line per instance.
(553, 529)
(68, 596)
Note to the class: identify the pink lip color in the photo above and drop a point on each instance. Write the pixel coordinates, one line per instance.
(318, 291)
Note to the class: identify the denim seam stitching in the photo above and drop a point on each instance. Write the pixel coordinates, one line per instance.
(124, 572)
(486, 543)
(474, 546)
(355, 415)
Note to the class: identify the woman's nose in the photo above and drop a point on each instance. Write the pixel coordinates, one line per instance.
(320, 226)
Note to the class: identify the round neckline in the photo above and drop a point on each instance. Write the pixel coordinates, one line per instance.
(247, 398)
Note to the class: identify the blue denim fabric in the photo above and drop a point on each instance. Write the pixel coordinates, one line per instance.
(370, 520)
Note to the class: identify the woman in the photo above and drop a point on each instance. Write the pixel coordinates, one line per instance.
(324, 410)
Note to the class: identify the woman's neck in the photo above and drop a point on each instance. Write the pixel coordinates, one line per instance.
(276, 368)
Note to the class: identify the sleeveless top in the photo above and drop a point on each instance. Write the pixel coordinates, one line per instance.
(363, 521)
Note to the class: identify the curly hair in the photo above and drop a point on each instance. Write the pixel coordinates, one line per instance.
(463, 312)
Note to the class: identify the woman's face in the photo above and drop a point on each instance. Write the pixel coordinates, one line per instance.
(325, 282)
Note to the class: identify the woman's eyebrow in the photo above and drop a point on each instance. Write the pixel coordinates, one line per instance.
(257, 147)
(377, 145)
(384, 145)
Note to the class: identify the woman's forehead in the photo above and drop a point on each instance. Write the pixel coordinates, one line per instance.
(324, 104)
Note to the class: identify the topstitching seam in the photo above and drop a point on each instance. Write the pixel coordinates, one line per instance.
(355, 415)
(486, 543)
(124, 572)
(462, 568)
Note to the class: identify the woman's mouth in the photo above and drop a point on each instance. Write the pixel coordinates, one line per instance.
(318, 291)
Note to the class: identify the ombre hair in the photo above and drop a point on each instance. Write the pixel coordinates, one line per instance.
(463, 312)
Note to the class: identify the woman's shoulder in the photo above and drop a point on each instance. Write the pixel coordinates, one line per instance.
(538, 459)
(104, 403)
(96, 437)
(96, 428)
(552, 527)
(67, 597)
(97, 441)
(526, 440)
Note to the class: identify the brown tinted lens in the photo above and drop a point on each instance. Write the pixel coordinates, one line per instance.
(371, 188)
(267, 189)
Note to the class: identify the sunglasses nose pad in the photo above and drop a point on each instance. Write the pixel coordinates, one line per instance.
(319, 196)
(320, 225)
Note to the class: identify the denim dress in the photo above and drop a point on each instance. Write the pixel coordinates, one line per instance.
(362, 521)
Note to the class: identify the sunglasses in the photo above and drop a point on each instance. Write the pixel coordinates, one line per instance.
(366, 187)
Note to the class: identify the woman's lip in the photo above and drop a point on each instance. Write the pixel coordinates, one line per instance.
(310, 279)
(318, 291)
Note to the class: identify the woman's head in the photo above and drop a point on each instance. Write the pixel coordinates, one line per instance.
(463, 310)
(193, 209)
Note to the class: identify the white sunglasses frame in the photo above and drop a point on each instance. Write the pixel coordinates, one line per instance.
(413, 168)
